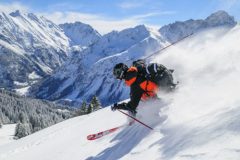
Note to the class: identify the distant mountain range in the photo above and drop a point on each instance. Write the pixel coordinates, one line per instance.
(32, 47)
(72, 62)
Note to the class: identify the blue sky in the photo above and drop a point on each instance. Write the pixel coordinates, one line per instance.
(107, 15)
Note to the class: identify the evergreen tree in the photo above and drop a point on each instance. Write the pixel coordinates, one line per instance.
(96, 103)
(22, 130)
(84, 107)
(82, 110)
(22, 117)
(0, 123)
(90, 108)
(1, 116)
(31, 114)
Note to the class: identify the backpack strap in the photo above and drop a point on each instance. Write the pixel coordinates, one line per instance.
(152, 69)
(147, 69)
(155, 67)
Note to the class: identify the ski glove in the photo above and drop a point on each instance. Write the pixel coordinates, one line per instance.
(114, 107)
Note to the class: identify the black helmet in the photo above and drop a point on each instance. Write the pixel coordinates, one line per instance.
(119, 69)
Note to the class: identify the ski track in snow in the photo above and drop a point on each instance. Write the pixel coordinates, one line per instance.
(199, 121)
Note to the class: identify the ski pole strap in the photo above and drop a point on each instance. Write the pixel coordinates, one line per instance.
(135, 119)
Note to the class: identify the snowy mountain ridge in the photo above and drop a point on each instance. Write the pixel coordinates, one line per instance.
(199, 121)
(32, 47)
(80, 33)
(90, 71)
(29, 45)
(178, 30)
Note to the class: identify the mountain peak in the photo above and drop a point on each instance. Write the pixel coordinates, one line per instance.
(141, 27)
(16, 13)
(19, 13)
(32, 16)
(32, 40)
(220, 13)
(220, 18)
(178, 30)
(135, 31)
(80, 33)
(77, 23)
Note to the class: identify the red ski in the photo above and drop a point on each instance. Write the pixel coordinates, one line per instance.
(106, 132)
(103, 133)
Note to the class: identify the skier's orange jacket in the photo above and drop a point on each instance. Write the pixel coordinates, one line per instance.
(140, 87)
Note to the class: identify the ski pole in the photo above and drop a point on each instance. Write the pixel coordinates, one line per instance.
(135, 119)
(168, 46)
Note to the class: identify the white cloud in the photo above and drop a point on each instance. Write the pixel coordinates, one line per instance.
(147, 15)
(101, 23)
(10, 7)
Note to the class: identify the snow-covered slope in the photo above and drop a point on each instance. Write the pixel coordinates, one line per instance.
(31, 47)
(7, 134)
(200, 121)
(80, 33)
(90, 71)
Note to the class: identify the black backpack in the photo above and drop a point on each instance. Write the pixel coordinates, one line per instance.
(156, 73)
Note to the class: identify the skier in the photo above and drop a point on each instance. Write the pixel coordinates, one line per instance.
(144, 81)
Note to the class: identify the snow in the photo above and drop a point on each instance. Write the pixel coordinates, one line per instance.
(7, 134)
(12, 47)
(20, 83)
(178, 30)
(31, 47)
(62, 110)
(22, 91)
(76, 30)
(199, 121)
(45, 68)
(33, 76)
(41, 28)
